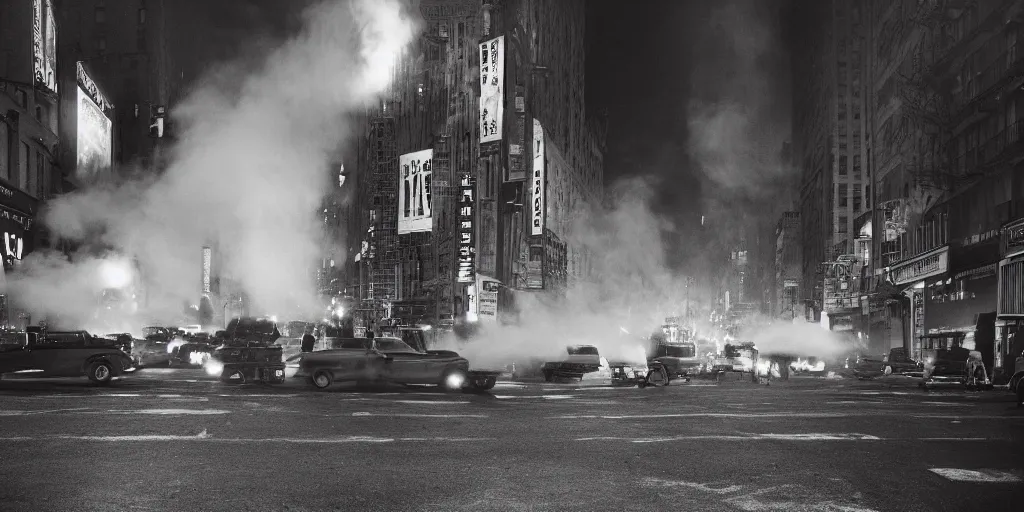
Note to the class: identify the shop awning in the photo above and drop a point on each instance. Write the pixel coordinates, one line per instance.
(985, 271)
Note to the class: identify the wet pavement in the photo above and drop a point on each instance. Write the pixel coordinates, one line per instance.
(175, 439)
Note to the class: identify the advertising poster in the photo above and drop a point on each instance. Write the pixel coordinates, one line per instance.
(94, 137)
(492, 89)
(487, 298)
(467, 242)
(414, 192)
(537, 181)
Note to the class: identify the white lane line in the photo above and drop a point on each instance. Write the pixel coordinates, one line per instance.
(171, 412)
(954, 439)
(955, 404)
(962, 417)
(981, 476)
(742, 437)
(702, 415)
(261, 396)
(429, 402)
(411, 415)
(34, 413)
(543, 397)
(205, 437)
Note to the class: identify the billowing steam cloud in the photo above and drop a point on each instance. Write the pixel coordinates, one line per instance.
(247, 175)
(631, 292)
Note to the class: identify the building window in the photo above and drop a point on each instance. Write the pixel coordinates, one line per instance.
(856, 197)
(23, 162)
(101, 14)
(867, 195)
(856, 166)
(40, 181)
(5, 170)
(843, 193)
(843, 221)
(843, 169)
(142, 16)
(101, 44)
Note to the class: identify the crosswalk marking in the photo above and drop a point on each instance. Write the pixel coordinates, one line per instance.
(980, 476)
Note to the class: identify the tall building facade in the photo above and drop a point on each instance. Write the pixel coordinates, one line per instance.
(30, 170)
(949, 186)
(787, 268)
(830, 135)
(473, 169)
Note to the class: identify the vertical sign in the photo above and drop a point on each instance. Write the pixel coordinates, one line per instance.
(50, 49)
(414, 192)
(537, 181)
(492, 89)
(467, 248)
(487, 298)
(38, 43)
(207, 265)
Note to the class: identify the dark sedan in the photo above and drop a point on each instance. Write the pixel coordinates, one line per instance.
(63, 354)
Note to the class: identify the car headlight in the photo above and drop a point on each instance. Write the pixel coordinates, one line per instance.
(213, 367)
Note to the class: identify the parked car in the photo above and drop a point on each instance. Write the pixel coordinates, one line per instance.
(384, 359)
(63, 354)
(248, 354)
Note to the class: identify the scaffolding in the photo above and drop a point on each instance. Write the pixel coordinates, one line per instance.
(384, 189)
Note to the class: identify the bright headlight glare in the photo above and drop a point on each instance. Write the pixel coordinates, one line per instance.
(214, 367)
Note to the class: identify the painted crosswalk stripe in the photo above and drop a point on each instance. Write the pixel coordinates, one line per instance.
(980, 476)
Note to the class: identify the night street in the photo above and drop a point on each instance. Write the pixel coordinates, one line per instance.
(170, 439)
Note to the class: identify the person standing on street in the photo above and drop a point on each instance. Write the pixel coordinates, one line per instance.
(308, 341)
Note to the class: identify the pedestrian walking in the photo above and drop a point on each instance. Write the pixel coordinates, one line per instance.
(308, 341)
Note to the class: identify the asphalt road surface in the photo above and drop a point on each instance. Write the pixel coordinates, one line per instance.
(175, 440)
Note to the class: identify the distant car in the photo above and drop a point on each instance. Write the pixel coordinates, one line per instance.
(387, 360)
(63, 354)
(191, 329)
(193, 350)
(579, 360)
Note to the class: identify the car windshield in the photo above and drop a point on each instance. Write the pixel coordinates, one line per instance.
(583, 351)
(288, 342)
(352, 343)
(392, 345)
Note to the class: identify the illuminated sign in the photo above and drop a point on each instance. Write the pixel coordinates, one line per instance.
(467, 246)
(207, 265)
(537, 215)
(94, 137)
(926, 265)
(414, 192)
(13, 245)
(49, 78)
(492, 89)
(85, 82)
(1013, 239)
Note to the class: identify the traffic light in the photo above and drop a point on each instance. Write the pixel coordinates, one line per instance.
(156, 121)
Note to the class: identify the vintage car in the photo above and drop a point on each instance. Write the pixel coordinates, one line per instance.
(579, 360)
(366, 360)
(248, 354)
(192, 350)
(154, 349)
(63, 354)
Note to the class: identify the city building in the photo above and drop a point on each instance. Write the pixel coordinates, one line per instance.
(30, 171)
(830, 132)
(948, 184)
(474, 167)
(788, 271)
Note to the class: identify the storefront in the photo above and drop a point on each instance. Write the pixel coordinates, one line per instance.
(1010, 312)
(17, 216)
(911, 277)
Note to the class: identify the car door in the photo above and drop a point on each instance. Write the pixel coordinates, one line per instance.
(15, 353)
(401, 363)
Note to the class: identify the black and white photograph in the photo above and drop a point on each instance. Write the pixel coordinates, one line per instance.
(511, 255)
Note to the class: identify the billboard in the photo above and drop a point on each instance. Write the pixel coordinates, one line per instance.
(487, 298)
(467, 243)
(537, 181)
(492, 89)
(414, 192)
(94, 137)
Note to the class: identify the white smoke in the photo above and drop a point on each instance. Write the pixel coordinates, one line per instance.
(247, 175)
(629, 293)
(798, 339)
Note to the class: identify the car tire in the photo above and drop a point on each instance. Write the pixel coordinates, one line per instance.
(1020, 392)
(321, 379)
(226, 376)
(486, 383)
(549, 376)
(100, 372)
